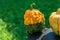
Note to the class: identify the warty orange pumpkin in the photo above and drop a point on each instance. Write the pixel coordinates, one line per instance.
(33, 19)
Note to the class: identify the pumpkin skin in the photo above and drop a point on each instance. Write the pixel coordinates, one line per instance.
(54, 21)
(33, 20)
(33, 16)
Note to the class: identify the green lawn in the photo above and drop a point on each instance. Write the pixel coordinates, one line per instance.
(12, 11)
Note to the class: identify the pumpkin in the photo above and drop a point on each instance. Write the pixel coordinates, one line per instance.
(54, 21)
(33, 20)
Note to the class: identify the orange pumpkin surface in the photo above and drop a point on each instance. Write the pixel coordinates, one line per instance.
(33, 16)
(33, 20)
(54, 21)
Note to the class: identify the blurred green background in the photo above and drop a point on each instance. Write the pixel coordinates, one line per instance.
(12, 11)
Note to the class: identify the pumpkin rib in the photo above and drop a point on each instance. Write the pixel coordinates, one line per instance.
(50, 19)
(59, 26)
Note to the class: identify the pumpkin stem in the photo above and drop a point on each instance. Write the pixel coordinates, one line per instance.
(58, 11)
(32, 5)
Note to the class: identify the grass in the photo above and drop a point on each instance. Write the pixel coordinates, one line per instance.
(12, 11)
